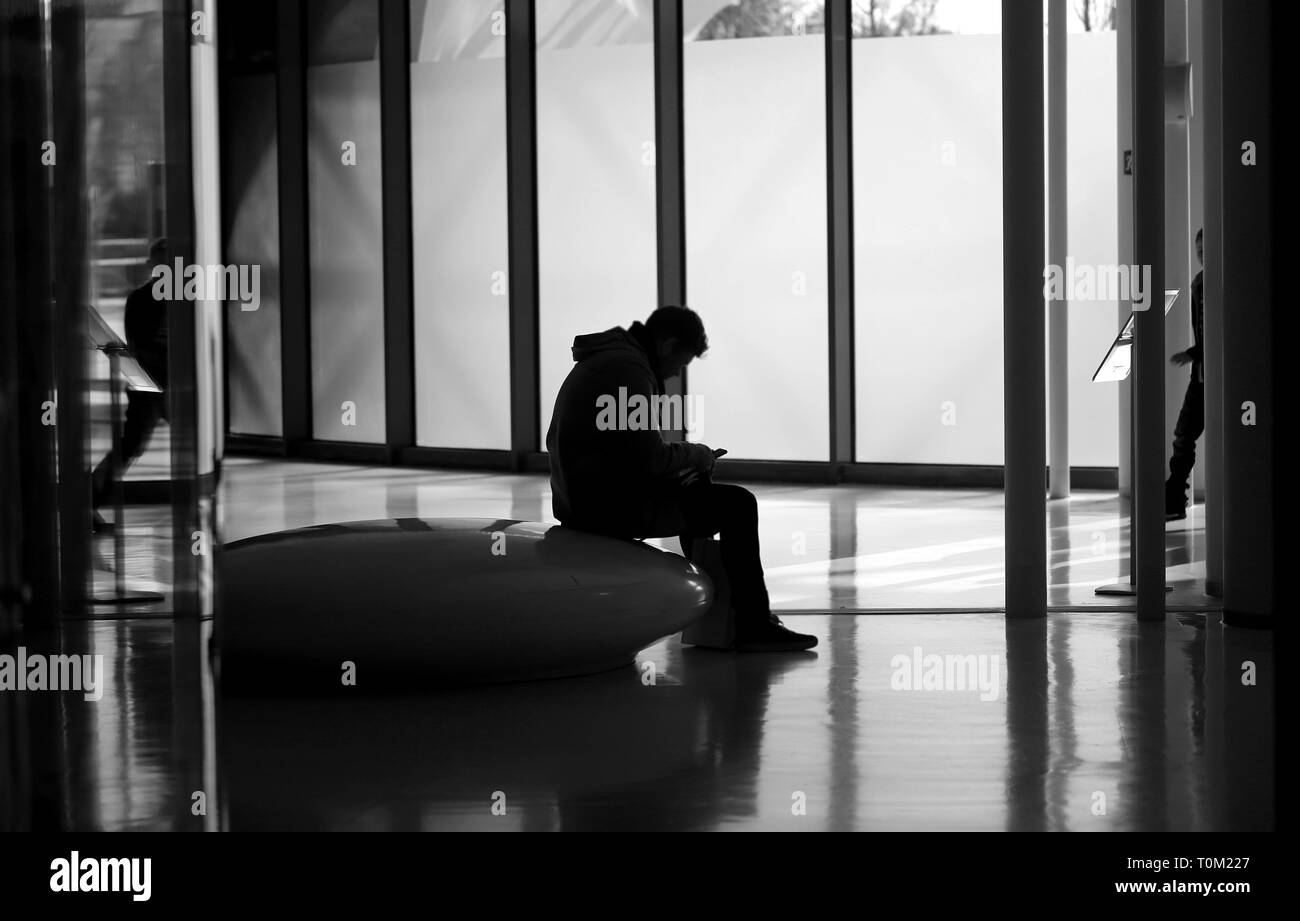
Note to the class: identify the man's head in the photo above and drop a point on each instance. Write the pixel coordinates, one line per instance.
(1200, 247)
(678, 334)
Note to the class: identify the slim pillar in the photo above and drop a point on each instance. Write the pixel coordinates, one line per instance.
(1058, 312)
(1249, 403)
(1149, 325)
(1023, 307)
(521, 183)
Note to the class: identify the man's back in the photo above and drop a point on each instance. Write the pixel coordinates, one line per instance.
(605, 472)
(146, 331)
(1198, 326)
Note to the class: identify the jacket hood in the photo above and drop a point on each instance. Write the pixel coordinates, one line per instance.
(616, 339)
(631, 342)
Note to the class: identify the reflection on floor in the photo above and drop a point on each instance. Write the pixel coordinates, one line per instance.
(1077, 722)
(1083, 721)
(826, 548)
(146, 535)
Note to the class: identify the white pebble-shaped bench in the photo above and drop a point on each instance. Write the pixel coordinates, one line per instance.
(442, 601)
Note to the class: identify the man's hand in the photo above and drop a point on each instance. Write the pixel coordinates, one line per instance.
(702, 460)
(1181, 358)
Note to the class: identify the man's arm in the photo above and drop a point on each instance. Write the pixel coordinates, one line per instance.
(1198, 318)
(646, 448)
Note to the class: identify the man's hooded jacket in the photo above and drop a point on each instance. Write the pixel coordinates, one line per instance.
(610, 478)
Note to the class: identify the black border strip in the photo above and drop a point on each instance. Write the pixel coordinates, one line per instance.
(932, 476)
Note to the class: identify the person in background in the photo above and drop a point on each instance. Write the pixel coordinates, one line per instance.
(146, 338)
(1191, 419)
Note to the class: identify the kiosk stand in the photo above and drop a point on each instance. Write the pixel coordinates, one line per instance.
(1116, 367)
(123, 371)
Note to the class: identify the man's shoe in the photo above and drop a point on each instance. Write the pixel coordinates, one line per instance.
(771, 636)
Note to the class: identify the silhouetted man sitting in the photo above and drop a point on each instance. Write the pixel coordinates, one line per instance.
(613, 473)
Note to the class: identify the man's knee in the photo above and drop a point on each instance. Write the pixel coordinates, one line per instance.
(738, 501)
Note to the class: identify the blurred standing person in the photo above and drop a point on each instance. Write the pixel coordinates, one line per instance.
(1191, 419)
(146, 338)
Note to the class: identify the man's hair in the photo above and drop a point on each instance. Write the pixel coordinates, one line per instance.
(682, 324)
(158, 249)
(1200, 233)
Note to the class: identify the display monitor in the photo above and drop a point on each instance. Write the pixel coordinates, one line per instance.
(1119, 357)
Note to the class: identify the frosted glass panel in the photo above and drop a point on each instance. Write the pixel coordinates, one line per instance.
(756, 243)
(459, 218)
(1093, 240)
(345, 222)
(252, 194)
(596, 219)
(927, 193)
(928, 236)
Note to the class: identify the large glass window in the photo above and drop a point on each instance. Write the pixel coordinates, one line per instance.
(345, 220)
(927, 151)
(126, 215)
(927, 196)
(251, 204)
(125, 194)
(595, 176)
(1092, 200)
(459, 218)
(755, 121)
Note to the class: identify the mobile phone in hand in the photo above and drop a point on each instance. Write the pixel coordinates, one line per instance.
(718, 452)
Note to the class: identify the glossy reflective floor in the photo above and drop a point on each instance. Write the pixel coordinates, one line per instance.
(825, 548)
(1081, 721)
(1086, 722)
